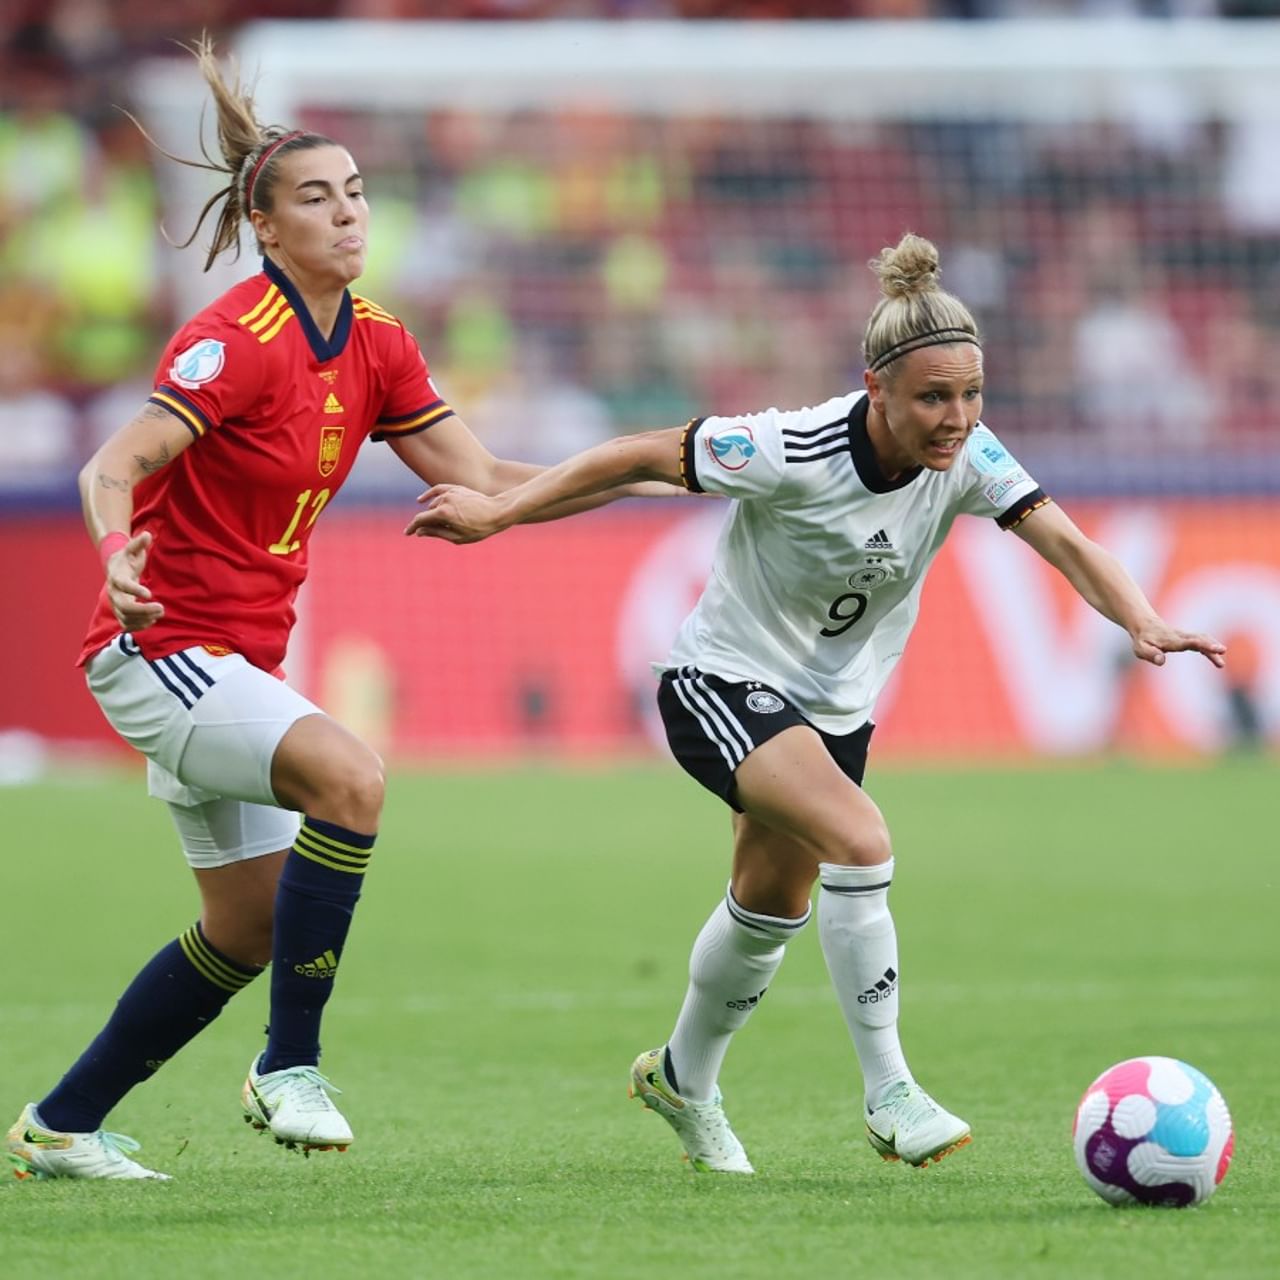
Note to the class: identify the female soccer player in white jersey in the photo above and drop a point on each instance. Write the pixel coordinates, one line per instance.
(202, 509)
(768, 693)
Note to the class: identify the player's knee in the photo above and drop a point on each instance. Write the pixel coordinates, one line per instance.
(354, 793)
(369, 788)
(862, 844)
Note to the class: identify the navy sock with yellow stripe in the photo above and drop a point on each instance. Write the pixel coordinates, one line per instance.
(175, 996)
(315, 899)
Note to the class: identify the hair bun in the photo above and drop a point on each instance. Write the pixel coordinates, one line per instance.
(910, 267)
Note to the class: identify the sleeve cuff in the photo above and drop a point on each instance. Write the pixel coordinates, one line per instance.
(411, 423)
(1013, 516)
(688, 468)
(182, 409)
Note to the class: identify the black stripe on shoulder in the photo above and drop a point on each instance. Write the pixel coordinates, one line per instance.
(840, 423)
(1021, 509)
(834, 452)
(822, 442)
(688, 471)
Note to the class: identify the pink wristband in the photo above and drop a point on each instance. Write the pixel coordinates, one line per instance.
(113, 542)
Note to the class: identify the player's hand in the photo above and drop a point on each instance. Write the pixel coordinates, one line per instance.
(1153, 640)
(456, 514)
(131, 602)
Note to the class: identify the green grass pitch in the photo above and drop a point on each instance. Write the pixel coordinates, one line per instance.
(524, 933)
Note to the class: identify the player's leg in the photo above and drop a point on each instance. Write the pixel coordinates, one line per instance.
(235, 851)
(738, 950)
(734, 959)
(237, 900)
(185, 985)
(793, 786)
(255, 738)
(336, 782)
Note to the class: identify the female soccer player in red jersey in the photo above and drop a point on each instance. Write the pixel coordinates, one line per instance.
(202, 508)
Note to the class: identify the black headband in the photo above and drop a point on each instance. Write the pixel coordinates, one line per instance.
(930, 338)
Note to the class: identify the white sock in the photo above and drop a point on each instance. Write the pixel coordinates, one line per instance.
(734, 959)
(861, 949)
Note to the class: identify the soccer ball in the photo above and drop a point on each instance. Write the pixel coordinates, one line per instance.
(1153, 1131)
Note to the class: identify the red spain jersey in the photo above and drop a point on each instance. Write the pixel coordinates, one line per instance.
(278, 412)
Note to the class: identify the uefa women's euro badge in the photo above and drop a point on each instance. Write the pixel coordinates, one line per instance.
(732, 447)
(199, 363)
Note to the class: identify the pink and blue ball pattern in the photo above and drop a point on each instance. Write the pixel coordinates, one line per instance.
(1153, 1131)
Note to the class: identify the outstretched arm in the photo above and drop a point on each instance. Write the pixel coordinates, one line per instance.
(1105, 584)
(151, 441)
(449, 454)
(461, 515)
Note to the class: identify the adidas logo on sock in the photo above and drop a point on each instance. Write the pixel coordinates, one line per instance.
(882, 990)
(879, 541)
(324, 966)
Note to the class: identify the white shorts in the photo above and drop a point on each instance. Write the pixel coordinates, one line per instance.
(209, 727)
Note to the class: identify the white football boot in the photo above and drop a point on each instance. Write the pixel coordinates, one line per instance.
(294, 1106)
(908, 1125)
(35, 1151)
(701, 1126)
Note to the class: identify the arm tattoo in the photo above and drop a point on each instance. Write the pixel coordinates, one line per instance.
(110, 482)
(152, 465)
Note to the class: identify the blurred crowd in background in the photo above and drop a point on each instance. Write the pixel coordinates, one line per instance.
(573, 275)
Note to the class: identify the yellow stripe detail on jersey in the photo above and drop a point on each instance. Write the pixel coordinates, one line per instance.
(372, 306)
(270, 314)
(373, 315)
(285, 315)
(423, 419)
(271, 293)
(176, 406)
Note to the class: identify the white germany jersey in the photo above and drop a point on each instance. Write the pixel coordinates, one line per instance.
(817, 575)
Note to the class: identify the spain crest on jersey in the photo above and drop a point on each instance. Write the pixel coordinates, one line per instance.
(330, 449)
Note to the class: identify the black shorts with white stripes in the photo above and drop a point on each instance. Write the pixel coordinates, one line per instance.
(714, 724)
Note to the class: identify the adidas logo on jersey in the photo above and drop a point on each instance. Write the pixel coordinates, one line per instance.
(332, 404)
(324, 966)
(879, 541)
